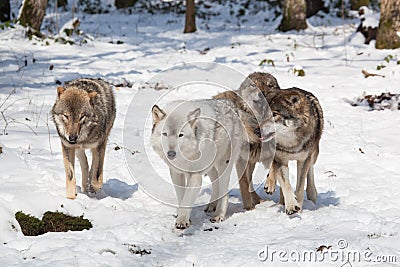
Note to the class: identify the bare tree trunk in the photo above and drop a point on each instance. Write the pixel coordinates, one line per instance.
(389, 25)
(32, 13)
(5, 10)
(314, 6)
(125, 3)
(190, 23)
(356, 4)
(294, 15)
(62, 3)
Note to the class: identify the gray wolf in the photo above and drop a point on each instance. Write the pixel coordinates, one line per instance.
(295, 121)
(84, 114)
(195, 138)
(256, 151)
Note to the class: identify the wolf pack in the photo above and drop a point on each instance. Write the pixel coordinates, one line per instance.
(259, 122)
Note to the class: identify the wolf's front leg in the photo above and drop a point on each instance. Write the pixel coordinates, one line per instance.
(96, 170)
(69, 165)
(223, 182)
(255, 198)
(270, 184)
(242, 170)
(211, 207)
(80, 153)
(312, 193)
(178, 179)
(185, 207)
(302, 170)
(281, 172)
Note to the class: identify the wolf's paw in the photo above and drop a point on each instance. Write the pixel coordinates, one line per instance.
(312, 195)
(249, 206)
(94, 189)
(182, 223)
(255, 198)
(86, 188)
(71, 196)
(95, 185)
(217, 219)
(269, 186)
(71, 193)
(292, 209)
(211, 207)
(90, 190)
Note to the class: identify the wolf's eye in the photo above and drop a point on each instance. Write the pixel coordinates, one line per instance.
(82, 118)
(180, 135)
(165, 134)
(260, 95)
(65, 116)
(275, 114)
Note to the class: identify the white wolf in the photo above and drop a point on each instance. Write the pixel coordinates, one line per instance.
(195, 138)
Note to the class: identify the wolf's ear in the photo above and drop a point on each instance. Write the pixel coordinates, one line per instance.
(158, 114)
(193, 116)
(60, 90)
(92, 94)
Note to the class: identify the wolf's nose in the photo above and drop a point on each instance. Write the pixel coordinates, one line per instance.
(72, 139)
(171, 154)
(257, 132)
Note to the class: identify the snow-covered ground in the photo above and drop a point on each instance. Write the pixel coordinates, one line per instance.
(357, 173)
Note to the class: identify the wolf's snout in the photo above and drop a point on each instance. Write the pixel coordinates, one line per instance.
(72, 139)
(171, 154)
(257, 131)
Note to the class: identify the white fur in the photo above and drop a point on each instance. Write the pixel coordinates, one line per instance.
(210, 144)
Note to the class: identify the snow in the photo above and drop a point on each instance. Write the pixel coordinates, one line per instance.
(356, 173)
(371, 19)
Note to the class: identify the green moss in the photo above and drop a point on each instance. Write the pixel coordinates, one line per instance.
(60, 222)
(51, 222)
(30, 225)
(299, 72)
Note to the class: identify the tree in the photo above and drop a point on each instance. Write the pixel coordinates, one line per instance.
(190, 22)
(314, 6)
(4, 10)
(294, 15)
(356, 4)
(389, 25)
(32, 13)
(125, 3)
(62, 3)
